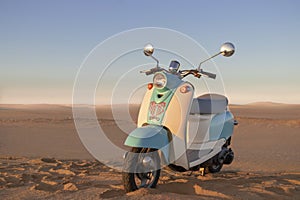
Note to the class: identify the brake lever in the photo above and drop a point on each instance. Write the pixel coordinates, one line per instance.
(197, 74)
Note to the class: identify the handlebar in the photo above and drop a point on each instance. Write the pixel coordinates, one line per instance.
(153, 70)
(197, 73)
(182, 73)
(208, 74)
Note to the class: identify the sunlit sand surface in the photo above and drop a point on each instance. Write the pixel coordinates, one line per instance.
(41, 156)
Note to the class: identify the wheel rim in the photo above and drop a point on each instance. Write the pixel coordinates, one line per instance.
(145, 179)
(215, 166)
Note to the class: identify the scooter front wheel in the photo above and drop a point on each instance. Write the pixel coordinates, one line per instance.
(141, 169)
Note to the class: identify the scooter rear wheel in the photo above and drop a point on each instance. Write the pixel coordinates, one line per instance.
(216, 165)
(139, 174)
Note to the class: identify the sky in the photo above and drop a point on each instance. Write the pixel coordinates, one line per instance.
(44, 43)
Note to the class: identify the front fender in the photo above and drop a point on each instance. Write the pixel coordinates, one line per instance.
(150, 136)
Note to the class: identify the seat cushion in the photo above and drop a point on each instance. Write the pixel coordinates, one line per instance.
(209, 104)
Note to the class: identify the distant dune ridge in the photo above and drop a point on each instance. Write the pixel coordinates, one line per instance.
(41, 156)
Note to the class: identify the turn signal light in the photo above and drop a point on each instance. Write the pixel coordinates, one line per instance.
(185, 89)
(150, 86)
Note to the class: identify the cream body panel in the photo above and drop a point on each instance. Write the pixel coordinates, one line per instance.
(175, 120)
(144, 109)
(198, 129)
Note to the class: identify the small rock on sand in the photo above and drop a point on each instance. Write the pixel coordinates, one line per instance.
(35, 162)
(70, 187)
(49, 182)
(63, 172)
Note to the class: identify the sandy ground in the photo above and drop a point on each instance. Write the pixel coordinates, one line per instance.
(41, 157)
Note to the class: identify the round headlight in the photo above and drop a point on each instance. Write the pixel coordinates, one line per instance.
(159, 80)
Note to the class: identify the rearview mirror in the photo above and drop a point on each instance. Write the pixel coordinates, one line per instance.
(227, 49)
(148, 50)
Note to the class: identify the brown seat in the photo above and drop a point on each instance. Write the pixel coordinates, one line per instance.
(209, 104)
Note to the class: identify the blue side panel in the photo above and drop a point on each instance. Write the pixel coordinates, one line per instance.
(150, 136)
(221, 126)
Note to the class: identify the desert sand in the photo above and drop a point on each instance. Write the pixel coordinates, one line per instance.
(42, 157)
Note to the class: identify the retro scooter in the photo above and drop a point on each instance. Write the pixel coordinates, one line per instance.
(177, 130)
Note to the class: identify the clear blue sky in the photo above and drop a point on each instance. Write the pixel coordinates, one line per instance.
(42, 43)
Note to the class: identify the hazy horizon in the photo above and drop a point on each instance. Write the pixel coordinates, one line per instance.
(66, 104)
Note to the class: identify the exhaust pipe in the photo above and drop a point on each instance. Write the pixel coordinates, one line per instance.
(226, 156)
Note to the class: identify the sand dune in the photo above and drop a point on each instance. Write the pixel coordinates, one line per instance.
(41, 156)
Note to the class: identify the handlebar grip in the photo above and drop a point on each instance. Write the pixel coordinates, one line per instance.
(148, 72)
(152, 71)
(210, 75)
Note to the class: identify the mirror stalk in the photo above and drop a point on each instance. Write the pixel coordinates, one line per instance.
(227, 50)
(157, 62)
(208, 60)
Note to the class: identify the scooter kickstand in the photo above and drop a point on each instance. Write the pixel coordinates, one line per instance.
(202, 171)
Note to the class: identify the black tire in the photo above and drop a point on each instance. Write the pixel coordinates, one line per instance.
(132, 176)
(215, 165)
